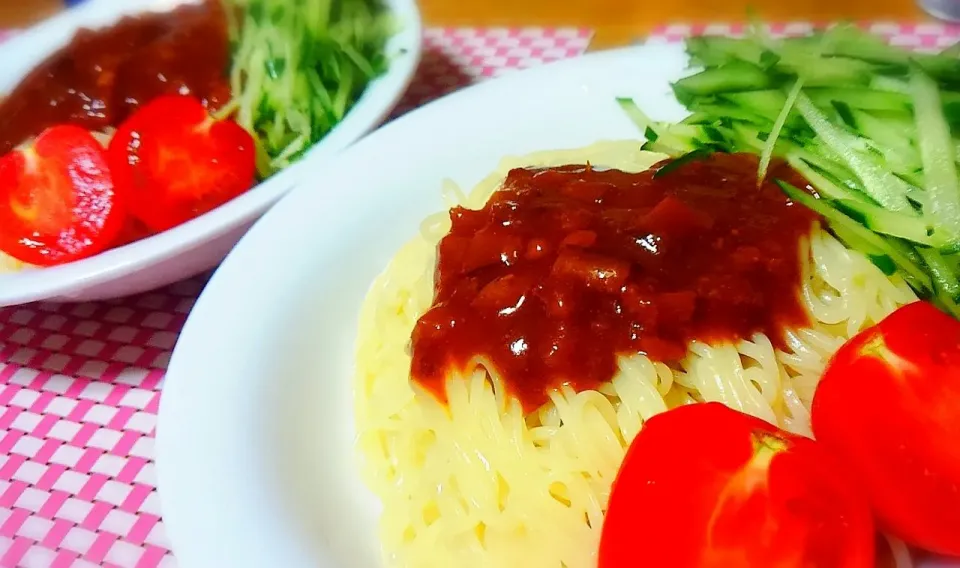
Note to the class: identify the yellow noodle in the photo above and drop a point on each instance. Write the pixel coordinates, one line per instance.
(476, 483)
(10, 264)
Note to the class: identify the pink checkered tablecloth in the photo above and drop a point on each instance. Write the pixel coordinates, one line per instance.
(921, 36)
(80, 383)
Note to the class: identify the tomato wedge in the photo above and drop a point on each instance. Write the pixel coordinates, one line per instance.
(178, 162)
(133, 230)
(57, 199)
(888, 406)
(706, 486)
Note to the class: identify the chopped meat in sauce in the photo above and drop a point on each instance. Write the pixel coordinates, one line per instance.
(566, 268)
(104, 74)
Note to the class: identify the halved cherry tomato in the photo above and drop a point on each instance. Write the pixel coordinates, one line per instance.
(58, 202)
(178, 162)
(888, 406)
(133, 230)
(706, 486)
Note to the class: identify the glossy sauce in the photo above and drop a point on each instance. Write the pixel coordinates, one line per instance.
(104, 74)
(566, 268)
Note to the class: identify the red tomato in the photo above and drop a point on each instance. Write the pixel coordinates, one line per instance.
(57, 199)
(133, 230)
(178, 162)
(888, 406)
(708, 487)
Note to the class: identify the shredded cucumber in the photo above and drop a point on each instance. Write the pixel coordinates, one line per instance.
(768, 148)
(856, 235)
(299, 66)
(951, 51)
(937, 155)
(874, 129)
(944, 275)
(880, 184)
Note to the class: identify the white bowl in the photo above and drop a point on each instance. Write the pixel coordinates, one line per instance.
(203, 242)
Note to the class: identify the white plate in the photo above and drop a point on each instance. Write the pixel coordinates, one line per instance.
(201, 243)
(255, 450)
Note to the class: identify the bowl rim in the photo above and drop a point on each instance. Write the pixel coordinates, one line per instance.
(373, 107)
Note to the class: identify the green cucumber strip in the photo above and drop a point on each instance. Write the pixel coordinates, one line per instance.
(825, 160)
(765, 102)
(852, 42)
(725, 110)
(730, 77)
(950, 249)
(891, 137)
(881, 220)
(848, 40)
(297, 70)
(937, 155)
(946, 70)
(860, 98)
(914, 193)
(949, 306)
(951, 51)
(746, 137)
(826, 163)
(885, 188)
(768, 59)
(638, 117)
(713, 51)
(768, 148)
(685, 138)
(829, 71)
(643, 122)
(844, 112)
(824, 185)
(884, 263)
(944, 277)
(757, 31)
(886, 129)
(951, 111)
(683, 131)
(844, 225)
(890, 84)
(701, 117)
(950, 98)
(660, 149)
(680, 161)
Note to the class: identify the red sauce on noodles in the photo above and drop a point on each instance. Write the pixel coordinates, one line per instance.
(103, 75)
(566, 268)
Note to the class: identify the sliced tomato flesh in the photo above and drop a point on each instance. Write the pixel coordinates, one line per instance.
(58, 202)
(133, 230)
(705, 486)
(887, 407)
(179, 163)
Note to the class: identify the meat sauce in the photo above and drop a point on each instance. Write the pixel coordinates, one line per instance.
(103, 75)
(566, 268)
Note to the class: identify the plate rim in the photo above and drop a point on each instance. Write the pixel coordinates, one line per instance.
(176, 395)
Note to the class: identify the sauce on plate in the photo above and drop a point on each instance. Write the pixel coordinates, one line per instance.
(566, 268)
(102, 75)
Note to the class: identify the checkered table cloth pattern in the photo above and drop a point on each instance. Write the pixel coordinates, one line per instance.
(920, 36)
(80, 383)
